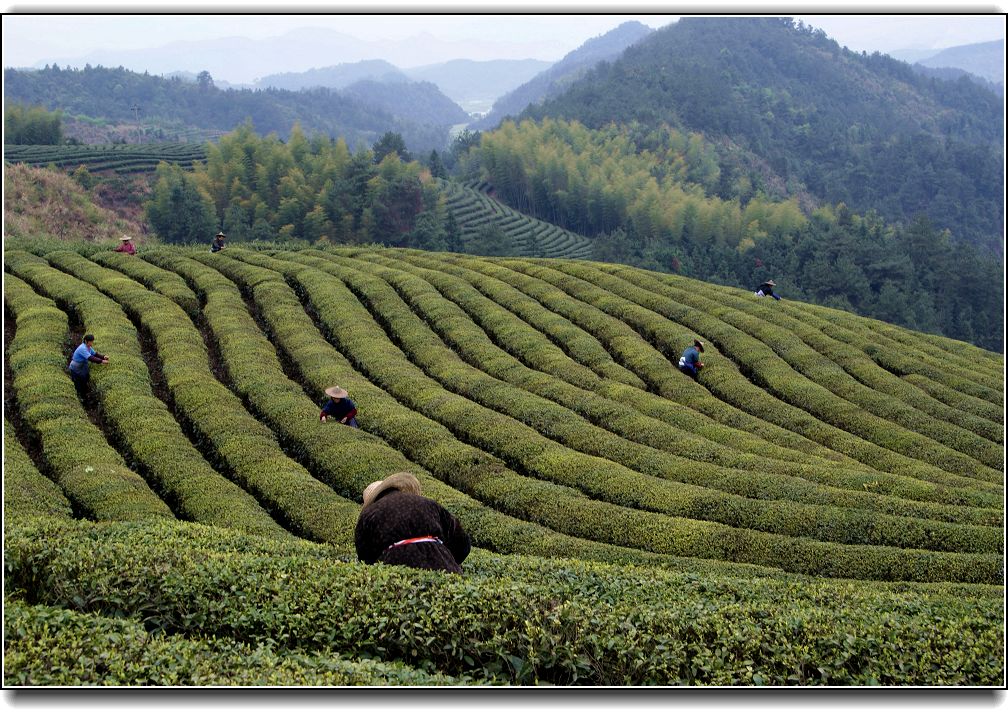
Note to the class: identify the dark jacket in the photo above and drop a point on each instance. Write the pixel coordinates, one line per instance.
(340, 408)
(395, 516)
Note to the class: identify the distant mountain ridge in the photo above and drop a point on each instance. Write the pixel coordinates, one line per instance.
(553, 80)
(471, 84)
(475, 85)
(335, 76)
(109, 94)
(983, 59)
(242, 61)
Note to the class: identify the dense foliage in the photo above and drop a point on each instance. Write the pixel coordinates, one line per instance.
(32, 125)
(864, 130)
(260, 188)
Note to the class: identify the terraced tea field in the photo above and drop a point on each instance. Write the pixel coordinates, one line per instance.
(475, 210)
(825, 505)
(121, 158)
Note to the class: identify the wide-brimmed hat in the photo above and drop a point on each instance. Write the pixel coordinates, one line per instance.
(125, 238)
(406, 482)
(220, 234)
(699, 344)
(771, 283)
(336, 392)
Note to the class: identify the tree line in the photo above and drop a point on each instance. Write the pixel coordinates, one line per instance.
(258, 188)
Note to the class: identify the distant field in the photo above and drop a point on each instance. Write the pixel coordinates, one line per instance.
(824, 506)
(121, 158)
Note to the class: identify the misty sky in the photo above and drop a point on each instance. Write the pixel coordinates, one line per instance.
(29, 40)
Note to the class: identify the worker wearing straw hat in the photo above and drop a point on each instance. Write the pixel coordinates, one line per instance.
(218, 243)
(339, 407)
(399, 526)
(126, 246)
(767, 289)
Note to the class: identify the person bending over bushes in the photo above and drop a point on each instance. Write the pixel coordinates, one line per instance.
(690, 363)
(399, 526)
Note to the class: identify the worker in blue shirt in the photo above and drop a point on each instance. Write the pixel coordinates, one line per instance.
(690, 363)
(79, 367)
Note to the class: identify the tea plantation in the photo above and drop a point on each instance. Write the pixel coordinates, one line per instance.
(823, 506)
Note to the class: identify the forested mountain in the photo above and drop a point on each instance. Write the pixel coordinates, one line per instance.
(335, 77)
(865, 130)
(553, 80)
(409, 102)
(112, 94)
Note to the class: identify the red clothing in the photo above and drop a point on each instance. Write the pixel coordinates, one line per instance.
(127, 247)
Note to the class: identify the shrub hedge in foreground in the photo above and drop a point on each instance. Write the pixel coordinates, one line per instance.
(48, 646)
(25, 490)
(516, 619)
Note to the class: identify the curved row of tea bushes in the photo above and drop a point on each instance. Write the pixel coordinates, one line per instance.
(766, 477)
(800, 397)
(980, 366)
(505, 314)
(246, 447)
(142, 424)
(904, 352)
(544, 338)
(858, 379)
(761, 360)
(633, 351)
(569, 511)
(357, 455)
(801, 376)
(950, 397)
(92, 474)
(733, 387)
(154, 278)
(25, 490)
(975, 414)
(57, 647)
(543, 425)
(519, 619)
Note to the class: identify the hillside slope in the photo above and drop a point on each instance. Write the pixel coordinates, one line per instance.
(825, 477)
(864, 130)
